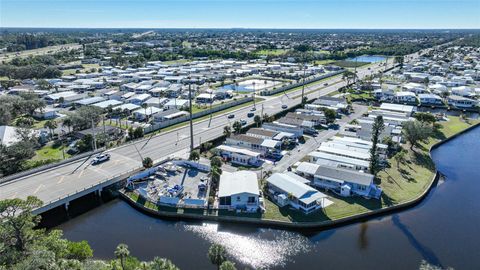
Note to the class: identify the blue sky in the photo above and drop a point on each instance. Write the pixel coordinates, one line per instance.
(241, 13)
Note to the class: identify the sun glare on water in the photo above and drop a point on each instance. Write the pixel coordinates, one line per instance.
(260, 250)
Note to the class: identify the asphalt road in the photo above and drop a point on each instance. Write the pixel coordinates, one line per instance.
(67, 179)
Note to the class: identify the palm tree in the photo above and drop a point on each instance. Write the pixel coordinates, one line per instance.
(144, 106)
(237, 127)
(147, 162)
(51, 125)
(162, 264)
(194, 155)
(227, 131)
(217, 255)
(68, 123)
(122, 252)
(227, 265)
(399, 60)
(258, 120)
(400, 158)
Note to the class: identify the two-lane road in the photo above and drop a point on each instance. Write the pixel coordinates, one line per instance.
(67, 179)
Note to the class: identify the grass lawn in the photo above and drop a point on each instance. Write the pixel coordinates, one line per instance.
(272, 52)
(86, 67)
(179, 61)
(48, 152)
(324, 62)
(400, 184)
(368, 96)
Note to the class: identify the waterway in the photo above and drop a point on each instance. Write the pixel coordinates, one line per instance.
(442, 230)
(368, 58)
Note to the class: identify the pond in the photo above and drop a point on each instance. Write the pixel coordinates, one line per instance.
(367, 58)
(442, 230)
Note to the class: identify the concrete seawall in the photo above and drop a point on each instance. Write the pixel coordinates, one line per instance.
(304, 225)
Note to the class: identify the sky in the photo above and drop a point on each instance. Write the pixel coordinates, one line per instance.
(319, 14)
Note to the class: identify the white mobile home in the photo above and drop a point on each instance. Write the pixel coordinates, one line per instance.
(239, 191)
(291, 189)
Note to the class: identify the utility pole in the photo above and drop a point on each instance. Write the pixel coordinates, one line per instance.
(191, 122)
(303, 84)
(94, 140)
(254, 105)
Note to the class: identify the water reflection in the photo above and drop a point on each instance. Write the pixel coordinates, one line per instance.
(362, 237)
(263, 248)
(426, 252)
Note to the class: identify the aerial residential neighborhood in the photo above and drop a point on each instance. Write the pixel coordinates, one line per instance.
(239, 134)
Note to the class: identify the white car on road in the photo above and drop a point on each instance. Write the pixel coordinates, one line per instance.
(100, 158)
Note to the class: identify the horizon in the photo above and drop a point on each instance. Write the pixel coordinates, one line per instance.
(246, 14)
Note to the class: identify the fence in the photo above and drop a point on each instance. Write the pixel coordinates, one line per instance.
(291, 86)
(221, 107)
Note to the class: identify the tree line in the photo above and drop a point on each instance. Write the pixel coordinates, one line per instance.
(23, 246)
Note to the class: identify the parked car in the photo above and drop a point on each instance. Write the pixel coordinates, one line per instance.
(100, 158)
(250, 114)
(325, 84)
(253, 109)
(284, 106)
(230, 116)
(243, 122)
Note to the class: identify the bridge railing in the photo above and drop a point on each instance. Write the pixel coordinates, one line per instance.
(48, 166)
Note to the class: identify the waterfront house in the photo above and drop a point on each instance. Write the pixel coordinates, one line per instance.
(460, 102)
(408, 110)
(346, 182)
(293, 190)
(430, 99)
(405, 97)
(239, 191)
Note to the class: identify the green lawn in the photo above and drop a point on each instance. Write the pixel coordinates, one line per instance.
(272, 52)
(178, 61)
(49, 152)
(368, 96)
(399, 185)
(39, 124)
(324, 62)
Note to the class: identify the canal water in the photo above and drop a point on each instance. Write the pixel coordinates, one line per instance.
(442, 230)
(367, 58)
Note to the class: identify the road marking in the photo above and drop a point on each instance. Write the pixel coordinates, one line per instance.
(61, 179)
(81, 173)
(38, 188)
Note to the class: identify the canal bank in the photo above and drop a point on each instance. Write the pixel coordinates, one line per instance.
(440, 229)
(313, 220)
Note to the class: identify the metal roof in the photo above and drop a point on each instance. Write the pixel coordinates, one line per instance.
(238, 182)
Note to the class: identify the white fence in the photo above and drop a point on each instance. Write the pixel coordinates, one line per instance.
(293, 85)
(221, 107)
